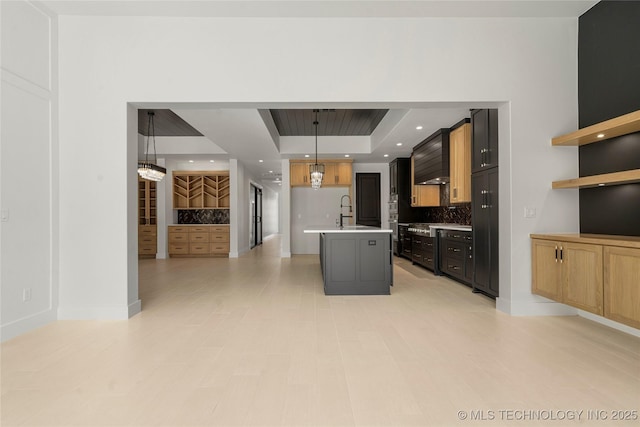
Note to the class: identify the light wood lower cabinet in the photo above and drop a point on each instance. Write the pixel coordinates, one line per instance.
(622, 285)
(198, 240)
(568, 272)
(147, 241)
(600, 278)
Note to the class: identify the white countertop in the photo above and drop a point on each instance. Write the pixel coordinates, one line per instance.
(458, 227)
(345, 229)
(194, 225)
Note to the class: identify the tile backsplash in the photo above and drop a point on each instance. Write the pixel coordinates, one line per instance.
(458, 214)
(203, 216)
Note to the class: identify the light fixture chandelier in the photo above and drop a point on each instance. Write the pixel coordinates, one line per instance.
(316, 171)
(146, 169)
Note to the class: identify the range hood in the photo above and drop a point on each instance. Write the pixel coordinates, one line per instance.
(431, 159)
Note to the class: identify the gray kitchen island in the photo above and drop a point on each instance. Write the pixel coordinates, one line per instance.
(355, 260)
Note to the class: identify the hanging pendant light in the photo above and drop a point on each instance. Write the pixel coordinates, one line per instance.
(316, 171)
(146, 169)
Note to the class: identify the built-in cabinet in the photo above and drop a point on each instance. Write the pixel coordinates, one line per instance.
(423, 251)
(484, 134)
(201, 190)
(147, 219)
(423, 195)
(484, 201)
(460, 163)
(568, 272)
(201, 240)
(337, 173)
(595, 273)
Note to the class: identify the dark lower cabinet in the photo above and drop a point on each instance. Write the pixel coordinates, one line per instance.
(455, 253)
(406, 244)
(422, 252)
(484, 215)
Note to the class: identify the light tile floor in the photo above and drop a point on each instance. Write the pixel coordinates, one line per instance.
(254, 341)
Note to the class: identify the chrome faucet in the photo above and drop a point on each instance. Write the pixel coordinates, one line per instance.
(345, 206)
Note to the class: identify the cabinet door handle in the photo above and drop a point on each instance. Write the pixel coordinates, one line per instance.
(561, 254)
(454, 267)
(556, 253)
(455, 193)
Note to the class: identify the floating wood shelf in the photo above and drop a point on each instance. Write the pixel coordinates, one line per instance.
(615, 178)
(623, 125)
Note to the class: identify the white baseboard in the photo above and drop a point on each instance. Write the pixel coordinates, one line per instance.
(26, 324)
(135, 308)
(94, 313)
(610, 323)
(284, 254)
(534, 308)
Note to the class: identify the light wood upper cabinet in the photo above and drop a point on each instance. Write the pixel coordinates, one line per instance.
(622, 285)
(201, 190)
(299, 174)
(336, 173)
(423, 195)
(460, 164)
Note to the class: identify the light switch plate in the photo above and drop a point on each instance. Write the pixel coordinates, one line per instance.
(529, 212)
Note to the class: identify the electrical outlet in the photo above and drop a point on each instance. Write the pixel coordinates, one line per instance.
(26, 295)
(4, 214)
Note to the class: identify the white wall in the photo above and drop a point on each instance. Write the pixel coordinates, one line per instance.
(529, 64)
(314, 207)
(28, 168)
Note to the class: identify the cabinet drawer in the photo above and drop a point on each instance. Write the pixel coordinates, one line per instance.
(179, 229)
(219, 229)
(179, 249)
(199, 248)
(462, 236)
(147, 230)
(146, 238)
(219, 248)
(199, 229)
(178, 237)
(198, 237)
(147, 249)
(453, 266)
(453, 249)
(219, 237)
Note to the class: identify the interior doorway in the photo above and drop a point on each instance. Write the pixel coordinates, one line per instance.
(255, 233)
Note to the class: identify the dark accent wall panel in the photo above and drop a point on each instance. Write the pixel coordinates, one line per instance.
(608, 61)
(611, 210)
(608, 87)
(613, 155)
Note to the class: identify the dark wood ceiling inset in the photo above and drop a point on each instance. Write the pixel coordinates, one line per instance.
(330, 122)
(166, 123)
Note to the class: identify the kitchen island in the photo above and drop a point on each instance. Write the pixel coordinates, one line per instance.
(355, 260)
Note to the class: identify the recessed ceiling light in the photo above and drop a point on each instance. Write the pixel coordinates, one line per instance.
(418, 127)
(261, 161)
(306, 155)
(270, 171)
(212, 161)
(190, 161)
(399, 144)
(600, 135)
(600, 185)
(386, 155)
(346, 155)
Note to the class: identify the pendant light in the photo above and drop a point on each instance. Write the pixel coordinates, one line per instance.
(146, 169)
(316, 171)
